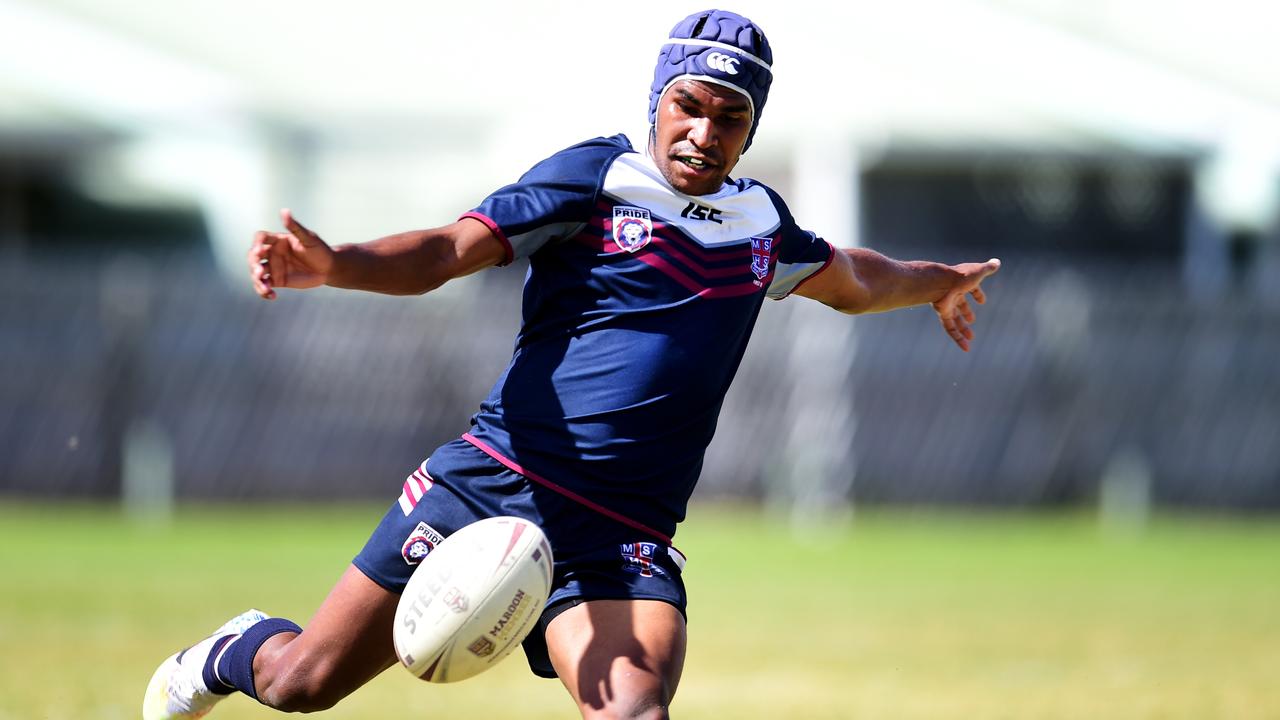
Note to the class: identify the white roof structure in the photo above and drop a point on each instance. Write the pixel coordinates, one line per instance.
(416, 109)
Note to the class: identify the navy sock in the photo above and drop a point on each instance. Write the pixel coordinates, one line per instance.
(211, 681)
(236, 666)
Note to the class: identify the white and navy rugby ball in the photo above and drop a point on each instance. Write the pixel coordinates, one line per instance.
(473, 599)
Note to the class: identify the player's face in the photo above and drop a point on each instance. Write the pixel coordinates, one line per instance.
(701, 128)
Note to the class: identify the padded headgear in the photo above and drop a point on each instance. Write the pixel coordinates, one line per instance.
(720, 47)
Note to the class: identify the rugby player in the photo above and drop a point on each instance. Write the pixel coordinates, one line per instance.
(648, 267)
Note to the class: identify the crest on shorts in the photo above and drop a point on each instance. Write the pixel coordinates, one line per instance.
(632, 227)
(421, 541)
(638, 558)
(761, 253)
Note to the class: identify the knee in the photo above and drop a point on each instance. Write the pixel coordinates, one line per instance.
(624, 706)
(612, 713)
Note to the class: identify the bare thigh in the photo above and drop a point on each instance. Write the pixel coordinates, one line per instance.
(619, 658)
(345, 645)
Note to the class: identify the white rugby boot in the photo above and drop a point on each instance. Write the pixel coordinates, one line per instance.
(177, 690)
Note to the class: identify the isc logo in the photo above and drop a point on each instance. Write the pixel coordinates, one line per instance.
(701, 212)
(723, 63)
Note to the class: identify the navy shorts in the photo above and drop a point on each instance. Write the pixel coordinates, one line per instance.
(596, 557)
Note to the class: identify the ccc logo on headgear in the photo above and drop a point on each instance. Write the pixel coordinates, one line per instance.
(723, 63)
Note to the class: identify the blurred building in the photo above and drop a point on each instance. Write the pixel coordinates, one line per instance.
(1123, 158)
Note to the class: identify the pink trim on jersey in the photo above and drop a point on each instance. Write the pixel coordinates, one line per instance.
(675, 273)
(733, 252)
(681, 252)
(673, 235)
(695, 285)
(815, 273)
(739, 290)
(515, 467)
(415, 486)
(497, 232)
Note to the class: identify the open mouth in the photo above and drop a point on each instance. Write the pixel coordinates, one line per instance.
(694, 163)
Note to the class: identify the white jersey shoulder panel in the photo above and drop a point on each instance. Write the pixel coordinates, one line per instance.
(634, 180)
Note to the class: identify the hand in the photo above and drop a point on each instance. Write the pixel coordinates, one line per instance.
(953, 308)
(294, 259)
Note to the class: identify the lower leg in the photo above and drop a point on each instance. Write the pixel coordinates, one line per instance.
(346, 644)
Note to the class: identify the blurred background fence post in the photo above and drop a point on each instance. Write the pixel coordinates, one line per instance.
(815, 472)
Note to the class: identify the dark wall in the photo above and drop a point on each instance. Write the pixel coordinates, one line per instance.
(1091, 351)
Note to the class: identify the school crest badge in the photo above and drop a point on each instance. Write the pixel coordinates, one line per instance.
(761, 253)
(638, 558)
(420, 542)
(632, 227)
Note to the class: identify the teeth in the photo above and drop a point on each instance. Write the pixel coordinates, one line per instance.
(694, 162)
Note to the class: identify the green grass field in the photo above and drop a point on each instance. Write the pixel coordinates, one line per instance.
(901, 615)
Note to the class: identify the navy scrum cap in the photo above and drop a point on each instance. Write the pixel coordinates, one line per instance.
(720, 47)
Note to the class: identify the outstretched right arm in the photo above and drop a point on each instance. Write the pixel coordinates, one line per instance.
(409, 263)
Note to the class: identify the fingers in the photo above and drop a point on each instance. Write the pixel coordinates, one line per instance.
(266, 263)
(988, 268)
(259, 264)
(956, 316)
(960, 333)
(295, 258)
(304, 235)
(954, 310)
(266, 280)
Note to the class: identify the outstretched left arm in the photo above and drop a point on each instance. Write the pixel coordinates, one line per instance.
(862, 281)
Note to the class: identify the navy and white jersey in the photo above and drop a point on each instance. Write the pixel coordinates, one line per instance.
(638, 305)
